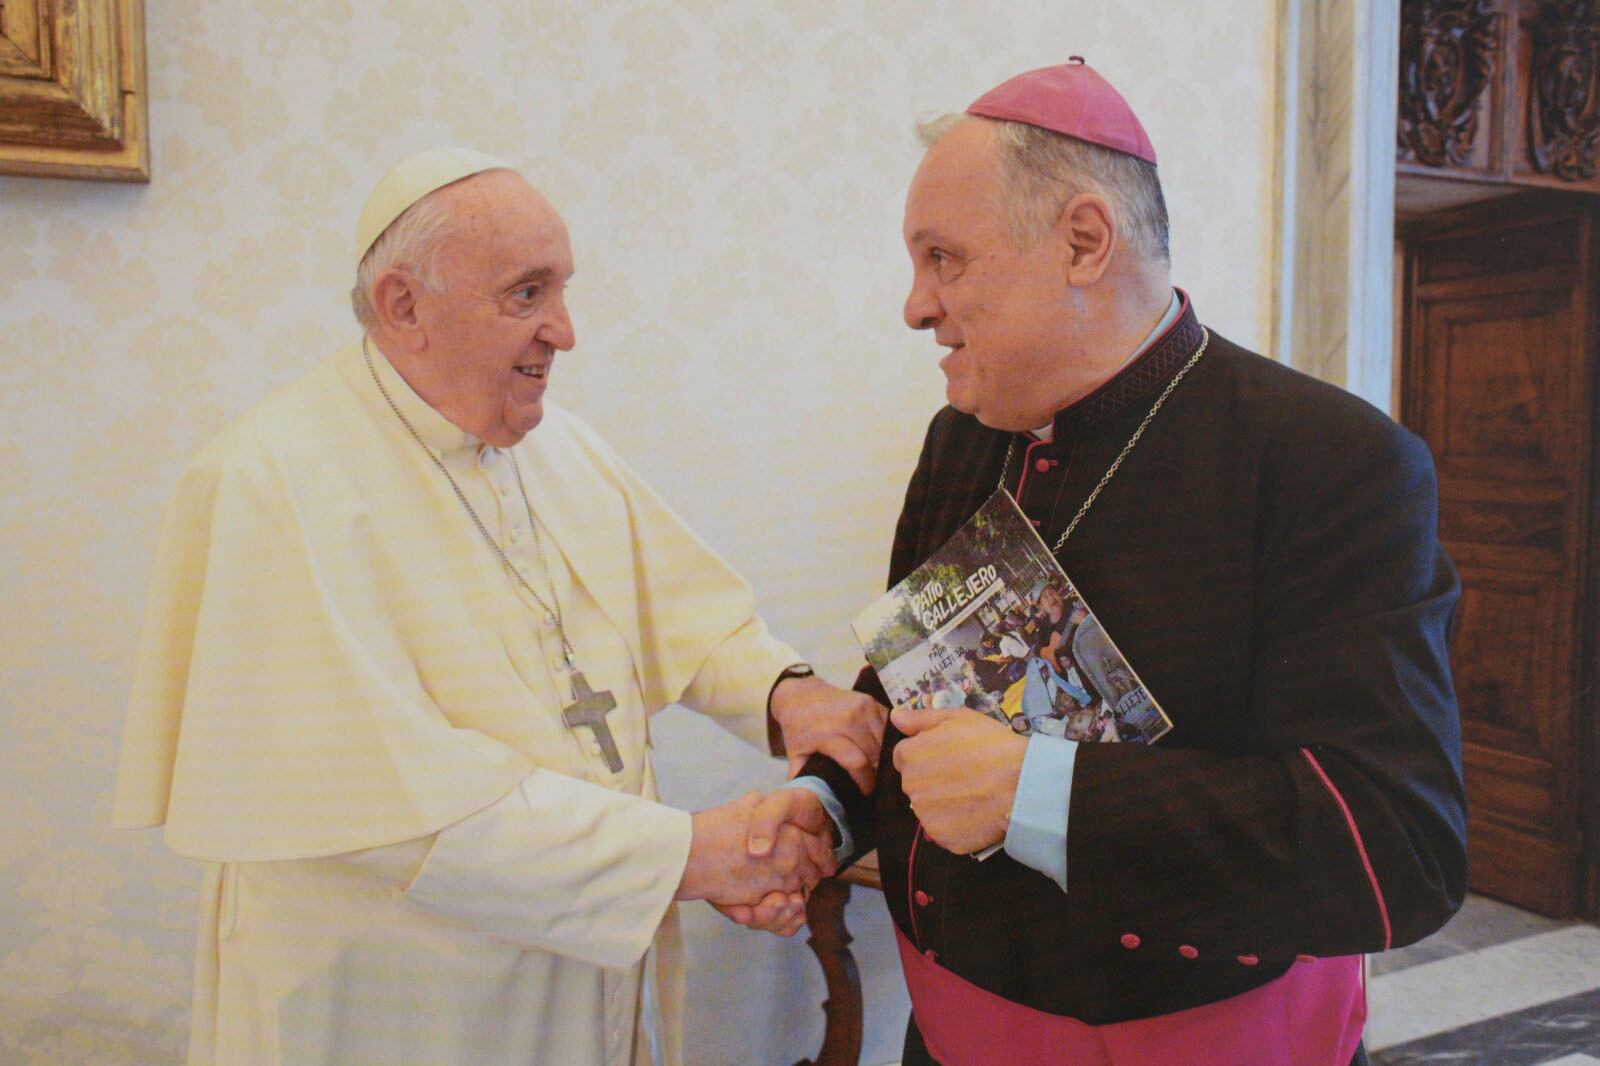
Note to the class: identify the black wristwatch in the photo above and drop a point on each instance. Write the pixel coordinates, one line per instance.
(797, 670)
(774, 733)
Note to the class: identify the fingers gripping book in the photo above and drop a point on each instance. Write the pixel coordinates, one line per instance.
(991, 622)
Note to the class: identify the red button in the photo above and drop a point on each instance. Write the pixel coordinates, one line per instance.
(1041, 465)
(930, 955)
(1248, 960)
(1189, 951)
(1305, 958)
(922, 898)
(1130, 940)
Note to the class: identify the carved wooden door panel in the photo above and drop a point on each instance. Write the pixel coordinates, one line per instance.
(1503, 91)
(1499, 379)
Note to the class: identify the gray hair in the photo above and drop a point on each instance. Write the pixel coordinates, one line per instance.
(1041, 170)
(412, 243)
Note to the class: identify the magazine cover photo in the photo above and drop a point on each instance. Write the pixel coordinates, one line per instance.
(991, 622)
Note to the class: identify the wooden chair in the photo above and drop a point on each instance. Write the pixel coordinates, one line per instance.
(830, 942)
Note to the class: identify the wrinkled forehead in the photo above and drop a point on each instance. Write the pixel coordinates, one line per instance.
(956, 179)
(498, 200)
(503, 224)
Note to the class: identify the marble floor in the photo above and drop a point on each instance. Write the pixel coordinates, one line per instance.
(1496, 986)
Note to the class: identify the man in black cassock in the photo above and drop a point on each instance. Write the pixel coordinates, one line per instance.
(1265, 556)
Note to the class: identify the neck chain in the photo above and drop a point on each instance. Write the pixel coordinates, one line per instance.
(1205, 339)
(553, 608)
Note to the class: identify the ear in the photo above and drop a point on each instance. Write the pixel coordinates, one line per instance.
(394, 299)
(1088, 237)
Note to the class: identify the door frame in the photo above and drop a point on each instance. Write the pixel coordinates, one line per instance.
(1337, 87)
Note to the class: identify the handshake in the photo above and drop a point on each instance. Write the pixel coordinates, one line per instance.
(757, 858)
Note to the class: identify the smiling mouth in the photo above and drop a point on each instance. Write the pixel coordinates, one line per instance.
(538, 373)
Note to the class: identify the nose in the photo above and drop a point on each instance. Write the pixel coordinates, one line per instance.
(922, 310)
(557, 330)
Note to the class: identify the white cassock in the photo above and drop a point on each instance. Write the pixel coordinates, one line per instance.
(348, 709)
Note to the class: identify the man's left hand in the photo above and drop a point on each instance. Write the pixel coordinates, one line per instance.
(959, 768)
(817, 717)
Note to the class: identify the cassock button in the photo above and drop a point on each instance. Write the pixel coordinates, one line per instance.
(1042, 465)
(1305, 958)
(1248, 960)
(931, 955)
(1130, 940)
(1189, 951)
(922, 898)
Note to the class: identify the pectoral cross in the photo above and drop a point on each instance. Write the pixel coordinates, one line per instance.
(589, 708)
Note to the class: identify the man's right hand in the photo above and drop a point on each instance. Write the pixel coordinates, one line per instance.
(781, 810)
(726, 869)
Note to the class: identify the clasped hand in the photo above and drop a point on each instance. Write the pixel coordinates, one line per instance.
(959, 768)
(846, 726)
(758, 867)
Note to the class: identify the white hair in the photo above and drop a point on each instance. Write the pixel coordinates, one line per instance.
(1040, 170)
(412, 243)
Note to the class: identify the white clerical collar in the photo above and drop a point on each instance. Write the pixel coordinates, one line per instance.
(435, 429)
(1048, 430)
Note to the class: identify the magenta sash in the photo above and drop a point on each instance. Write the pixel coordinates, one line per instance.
(1311, 1016)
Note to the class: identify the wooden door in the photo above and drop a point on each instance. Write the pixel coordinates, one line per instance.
(1499, 378)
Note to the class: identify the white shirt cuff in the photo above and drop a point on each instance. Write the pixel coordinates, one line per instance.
(1037, 834)
(835, 809)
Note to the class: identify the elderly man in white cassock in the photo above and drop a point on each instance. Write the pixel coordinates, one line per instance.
(407, 627)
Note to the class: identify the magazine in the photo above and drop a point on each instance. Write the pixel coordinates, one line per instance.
(991, 622)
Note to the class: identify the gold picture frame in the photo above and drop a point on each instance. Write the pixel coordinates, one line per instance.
(73, 101)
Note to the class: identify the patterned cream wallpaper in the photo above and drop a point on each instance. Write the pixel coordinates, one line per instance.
(733, 175)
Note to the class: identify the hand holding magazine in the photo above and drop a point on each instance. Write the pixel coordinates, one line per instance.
(991, 622)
